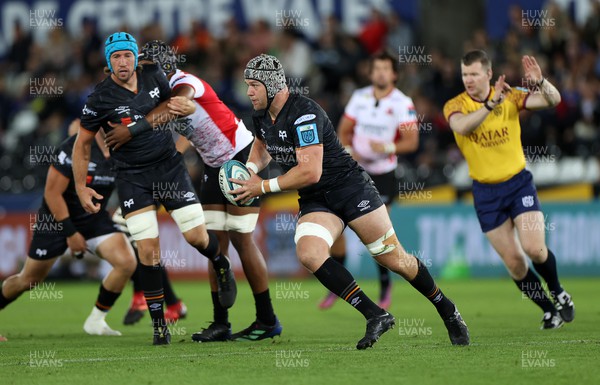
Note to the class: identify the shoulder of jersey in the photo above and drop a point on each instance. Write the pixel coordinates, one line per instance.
(366, 92)
(150, 67)
(182, 76)
(304, 110)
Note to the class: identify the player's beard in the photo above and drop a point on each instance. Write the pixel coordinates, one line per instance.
(382, 86)
(124, 76)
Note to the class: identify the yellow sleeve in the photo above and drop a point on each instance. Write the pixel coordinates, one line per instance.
(518, 96)
(452, 106)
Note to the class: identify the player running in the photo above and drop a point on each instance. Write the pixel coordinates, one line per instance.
(63, 227)
(379, 123)
(218, 136)
(485, 121)
(335, 191)
(149, 171)
(176, 309)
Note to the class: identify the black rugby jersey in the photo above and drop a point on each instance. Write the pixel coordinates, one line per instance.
(111, 102)
(302, 122)
(100, 177)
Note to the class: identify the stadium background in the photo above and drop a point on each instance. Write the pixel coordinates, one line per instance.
(51, 56)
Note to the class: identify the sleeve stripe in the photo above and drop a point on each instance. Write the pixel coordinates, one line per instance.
(406, 124)
(349, 117)
(452, 113)
(525, 101)
(184, 84)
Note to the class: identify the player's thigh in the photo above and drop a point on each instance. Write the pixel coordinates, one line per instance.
(116, 249)
(314, 236)
(242, 219)
(372, 226)
(36, 270)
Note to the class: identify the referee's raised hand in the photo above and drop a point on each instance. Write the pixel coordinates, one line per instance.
(501, 88)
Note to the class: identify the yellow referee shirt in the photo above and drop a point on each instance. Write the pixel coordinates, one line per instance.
(493, 151)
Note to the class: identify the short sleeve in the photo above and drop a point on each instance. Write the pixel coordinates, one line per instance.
(351, 108)
(91, 117)
(163, 86)
(519, 96)
(408, 114)
(64, 163)
(452, 106)
(308, 129)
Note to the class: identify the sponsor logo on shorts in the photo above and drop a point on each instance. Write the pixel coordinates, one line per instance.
(189, 196)
(527, 200)
(128, 203)
(363, 205)
(41, 252)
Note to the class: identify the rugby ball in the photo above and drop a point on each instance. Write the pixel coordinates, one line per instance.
(237, 170)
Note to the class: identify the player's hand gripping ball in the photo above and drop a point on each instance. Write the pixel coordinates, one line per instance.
(237, 170)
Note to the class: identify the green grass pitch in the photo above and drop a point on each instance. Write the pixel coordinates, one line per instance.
(47, 344)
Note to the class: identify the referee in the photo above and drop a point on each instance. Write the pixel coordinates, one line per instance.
(485, 122)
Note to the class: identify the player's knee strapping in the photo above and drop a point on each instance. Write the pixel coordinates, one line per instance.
(242, 223)
(385, 244)
(315, 230)
(216, 220)
(143, 225)
(188, 217)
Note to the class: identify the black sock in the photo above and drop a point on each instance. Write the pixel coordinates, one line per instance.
(340, 282)
(548, 271)
(425, 284)
(339, 258)
(212, 252)
(220, 314)
(384, 278)
(264, 308)
(153, 292)
(170, 297)
(135, 277)
(532, 287)
(106, 299)
(3, 300)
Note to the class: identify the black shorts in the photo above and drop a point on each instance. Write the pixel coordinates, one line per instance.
(48, 243)
(167, 183)
(357, 197)
(387, 185)
(210, 192)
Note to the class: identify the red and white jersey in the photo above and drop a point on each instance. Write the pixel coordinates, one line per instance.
(214, 130)
(378, 121)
